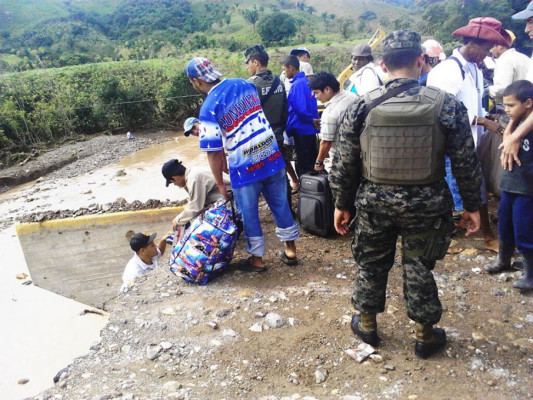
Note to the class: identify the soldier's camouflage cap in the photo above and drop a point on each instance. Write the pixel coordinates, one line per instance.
(400, 40)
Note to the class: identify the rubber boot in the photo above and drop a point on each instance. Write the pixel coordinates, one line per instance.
(365, 326)
(526, 283)
(429, 340)
(503, 261)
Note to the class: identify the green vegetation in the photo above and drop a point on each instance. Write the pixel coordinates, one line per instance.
(76, 67)
(277, 27)
(45, 106)
(58, 33)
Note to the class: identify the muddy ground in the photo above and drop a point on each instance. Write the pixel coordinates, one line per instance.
(284, 333)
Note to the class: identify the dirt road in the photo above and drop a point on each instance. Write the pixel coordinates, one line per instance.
(283, 335)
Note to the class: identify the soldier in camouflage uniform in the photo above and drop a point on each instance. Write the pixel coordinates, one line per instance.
(420, 213)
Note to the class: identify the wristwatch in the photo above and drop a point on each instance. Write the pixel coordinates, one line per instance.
(319, 163)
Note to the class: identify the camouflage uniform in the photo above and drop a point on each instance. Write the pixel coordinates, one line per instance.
(386, 211)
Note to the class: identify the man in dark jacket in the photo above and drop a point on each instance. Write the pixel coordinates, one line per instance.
(273, 99)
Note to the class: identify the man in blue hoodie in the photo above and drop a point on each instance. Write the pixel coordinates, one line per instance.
(302, 112)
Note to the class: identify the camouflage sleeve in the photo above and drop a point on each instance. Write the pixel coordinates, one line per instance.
(346, 170)
(462, 152)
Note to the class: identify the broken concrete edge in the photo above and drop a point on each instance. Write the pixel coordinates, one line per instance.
(92, 273)
(90, 220)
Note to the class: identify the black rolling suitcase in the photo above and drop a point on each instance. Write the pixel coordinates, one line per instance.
(315, 205)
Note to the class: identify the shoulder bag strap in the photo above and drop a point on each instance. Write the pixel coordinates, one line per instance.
(459, 64)
(273, 88)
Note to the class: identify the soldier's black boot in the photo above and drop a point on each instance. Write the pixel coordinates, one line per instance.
(503, 261)
(429, 340)
(526, 283)
(365, 326)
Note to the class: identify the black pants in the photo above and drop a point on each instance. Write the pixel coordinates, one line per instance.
(306, 152)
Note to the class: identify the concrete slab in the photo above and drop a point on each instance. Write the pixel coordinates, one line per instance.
(83, 258)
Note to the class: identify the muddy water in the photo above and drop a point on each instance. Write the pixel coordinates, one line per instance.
(43, 332)
(136, 177)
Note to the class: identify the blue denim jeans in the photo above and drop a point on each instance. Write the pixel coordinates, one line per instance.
(274, 190)
(452, 184)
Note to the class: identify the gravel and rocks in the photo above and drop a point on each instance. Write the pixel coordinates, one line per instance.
(75, 159)
(231, 339)
(283, 334)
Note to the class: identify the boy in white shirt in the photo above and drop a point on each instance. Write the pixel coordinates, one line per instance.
(145, 259)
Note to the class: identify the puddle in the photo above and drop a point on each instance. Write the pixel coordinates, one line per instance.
(142, 181)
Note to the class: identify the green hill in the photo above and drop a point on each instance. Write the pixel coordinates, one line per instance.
(57, 33)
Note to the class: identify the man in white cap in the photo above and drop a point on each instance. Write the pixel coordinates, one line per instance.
(433, 54)
(461, 76)
(527, 14)
(304, 56)
(365, 78)
(191, 126)
(510, 66)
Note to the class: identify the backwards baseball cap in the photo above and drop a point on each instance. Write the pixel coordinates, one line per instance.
(525, 14)
(188, 125)
(299, 51)
(401, 40)
(172, 168)
(140, 240)
(362, 50)
(203, 69)
(432, 48)
(252, 51)
(485, 28)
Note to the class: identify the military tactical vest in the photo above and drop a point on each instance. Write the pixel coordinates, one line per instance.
(402, 142)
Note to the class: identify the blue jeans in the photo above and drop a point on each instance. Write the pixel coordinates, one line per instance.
(452, 184)
(515, 220)
(274, 190)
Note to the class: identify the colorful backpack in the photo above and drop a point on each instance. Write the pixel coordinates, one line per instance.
(206, 248)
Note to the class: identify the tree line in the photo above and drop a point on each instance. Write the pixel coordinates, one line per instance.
(41, 107)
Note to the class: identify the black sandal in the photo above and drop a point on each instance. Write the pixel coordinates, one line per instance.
(289, 261)
(246, 265)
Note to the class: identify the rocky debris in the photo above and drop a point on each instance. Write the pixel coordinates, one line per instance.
(320, 376)
(274, 320)
(232, 339)
(283, 334)
(116, 206)
(75, 159)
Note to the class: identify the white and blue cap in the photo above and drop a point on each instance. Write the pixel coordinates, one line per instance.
(525, 14)
(299, 51)
(202, 68)
(188, 125)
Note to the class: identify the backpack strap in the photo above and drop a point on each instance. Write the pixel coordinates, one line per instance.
(273, 88)
(459, 64)
(391, 93)
(375, 73)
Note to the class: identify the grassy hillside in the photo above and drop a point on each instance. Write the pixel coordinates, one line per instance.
(19, 15)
